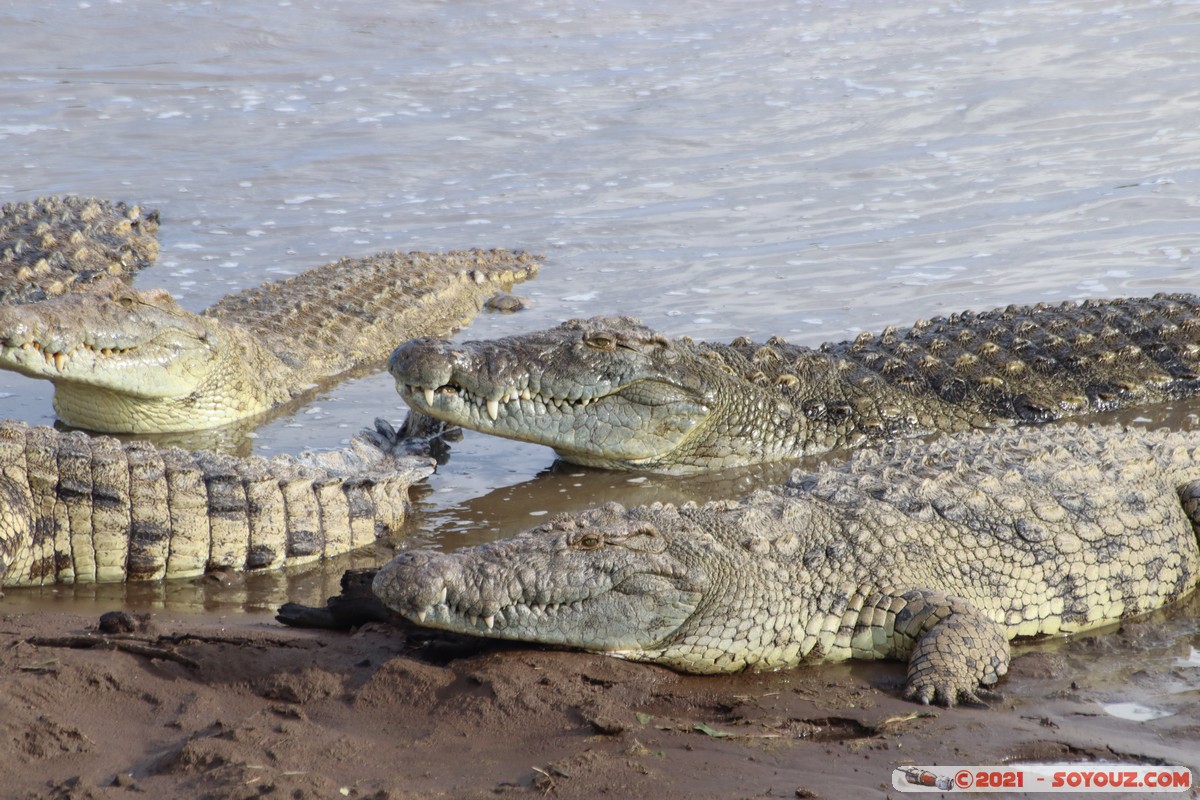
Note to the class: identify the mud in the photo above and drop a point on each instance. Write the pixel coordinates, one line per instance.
(183, 706)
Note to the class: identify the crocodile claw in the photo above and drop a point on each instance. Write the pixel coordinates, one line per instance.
(948, 695)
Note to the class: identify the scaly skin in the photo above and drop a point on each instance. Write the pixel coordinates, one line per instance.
(938, 554)
(136, 362)
(610, 392)
(75, 508)
(55, 245)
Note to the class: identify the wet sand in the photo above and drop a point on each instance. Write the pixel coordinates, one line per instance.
(185, 707)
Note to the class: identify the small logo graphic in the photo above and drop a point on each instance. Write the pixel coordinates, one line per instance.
(1095, 778)
(919, 776)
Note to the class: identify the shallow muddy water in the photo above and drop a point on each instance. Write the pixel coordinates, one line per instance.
(804, 169)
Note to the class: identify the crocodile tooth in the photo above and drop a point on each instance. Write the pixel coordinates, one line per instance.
(421, 615)
(60, 361)
(490, 621)
(493, 408)
(428, 395)
(525, 394)
(442, 599)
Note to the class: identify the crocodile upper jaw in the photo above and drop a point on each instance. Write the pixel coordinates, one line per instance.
(638, 424)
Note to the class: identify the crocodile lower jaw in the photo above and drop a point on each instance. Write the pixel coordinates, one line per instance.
(98, 409)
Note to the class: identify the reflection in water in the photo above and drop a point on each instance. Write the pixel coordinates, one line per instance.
(219, 593)
(1140, 673)
(564, 487)
(237, 438)
(1138, 712)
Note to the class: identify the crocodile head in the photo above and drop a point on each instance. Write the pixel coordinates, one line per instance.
(121, 359)
(605, 392)
(607, 580)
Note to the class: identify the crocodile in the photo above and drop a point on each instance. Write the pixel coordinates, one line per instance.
(936, 553)
(129, 361)
(80, 508)
(54, 245)
(613, 393)
(76, 508)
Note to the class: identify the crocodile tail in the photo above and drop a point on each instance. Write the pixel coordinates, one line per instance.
(355, 311)
(15, 535)
(81, 509)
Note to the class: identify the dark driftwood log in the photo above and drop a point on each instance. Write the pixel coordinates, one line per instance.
(356, 605)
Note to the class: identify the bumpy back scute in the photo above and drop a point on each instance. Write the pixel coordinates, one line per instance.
(388, 498)
(187, 502)
(306, 540)
(150, 519)
(339, 316)
(1038, 362)
(50, 531)
(228, 520)
(110, 509)
(334, 516)
(268, 518)
(360, 512)
(75, 493)
(54, 245)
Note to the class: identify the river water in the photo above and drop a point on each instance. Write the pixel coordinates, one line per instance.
(805, 169)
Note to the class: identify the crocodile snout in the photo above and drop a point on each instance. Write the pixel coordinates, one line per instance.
(428, 362)
(413, 582)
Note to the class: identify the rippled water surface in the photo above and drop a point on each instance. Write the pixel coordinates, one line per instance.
(808, 169)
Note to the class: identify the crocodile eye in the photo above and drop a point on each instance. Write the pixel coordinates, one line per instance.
(599, 341)
(125, 302)
(589, 541)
